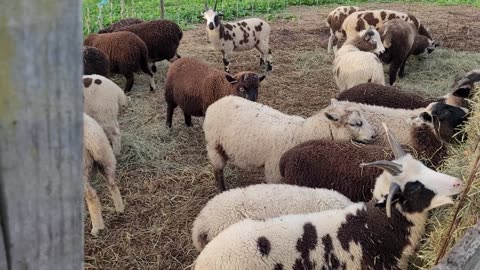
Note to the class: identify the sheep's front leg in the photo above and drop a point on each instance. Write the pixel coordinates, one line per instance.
(94, 208)
(188, 119)
(108, 171)
(226, 63)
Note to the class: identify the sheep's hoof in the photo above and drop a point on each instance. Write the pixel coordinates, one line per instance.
(152, 89)
(94, 232)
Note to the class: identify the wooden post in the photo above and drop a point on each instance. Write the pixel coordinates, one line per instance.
(465, 254)
(41, 131)
(162, 9)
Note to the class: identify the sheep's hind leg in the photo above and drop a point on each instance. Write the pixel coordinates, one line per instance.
(94, 208)
(188, 119)
(170, 108)
(218, 158)
(129, 84)
(401, 73)
(220, 179)
(109, 173)
(394, 66)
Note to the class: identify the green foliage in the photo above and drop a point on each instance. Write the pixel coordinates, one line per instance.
(187, 12)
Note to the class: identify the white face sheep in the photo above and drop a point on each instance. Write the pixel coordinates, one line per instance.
(334, 22)
(356, 61)
(238, 36)
(259, 202)
(360, 236)
(98, 155)
(103, 100)
(193, 85)
(252, 135)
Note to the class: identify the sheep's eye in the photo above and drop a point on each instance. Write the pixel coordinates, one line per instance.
(242, 89)
(356, 124)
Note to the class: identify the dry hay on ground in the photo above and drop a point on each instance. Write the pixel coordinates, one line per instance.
(164, 175)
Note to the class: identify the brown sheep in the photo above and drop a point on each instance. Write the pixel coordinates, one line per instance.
(162, 38)
(126, 52)
(120, 24)
(95, 62)
(193, 85)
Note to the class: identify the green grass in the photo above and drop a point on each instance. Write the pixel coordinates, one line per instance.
(186, 12)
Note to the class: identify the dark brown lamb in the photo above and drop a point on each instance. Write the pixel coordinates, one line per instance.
(193, 85)
(95, 62)
(126, 52)
(162, 38)
(120, 24)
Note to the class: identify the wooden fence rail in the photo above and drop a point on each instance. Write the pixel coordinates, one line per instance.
(41, 131)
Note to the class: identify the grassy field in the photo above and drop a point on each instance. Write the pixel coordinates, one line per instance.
(186, 12)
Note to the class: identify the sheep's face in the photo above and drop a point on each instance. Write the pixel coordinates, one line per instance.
(212, 18)
(350, 124)
(446, 120)
(372, 37)
(245, 84)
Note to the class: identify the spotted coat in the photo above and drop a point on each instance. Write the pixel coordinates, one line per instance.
(334, 23)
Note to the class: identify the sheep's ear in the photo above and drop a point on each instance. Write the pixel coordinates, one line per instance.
(261, 78)
(230, 79)
(426, 117)
(332, 116)
(333, 102)
(220, 14)
(463, 91)
(438, 201)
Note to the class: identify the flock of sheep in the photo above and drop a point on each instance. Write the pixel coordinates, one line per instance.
(344, 191)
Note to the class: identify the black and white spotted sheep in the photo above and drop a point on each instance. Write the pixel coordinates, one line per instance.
(238, 36)
(380, 234)
(334, 23)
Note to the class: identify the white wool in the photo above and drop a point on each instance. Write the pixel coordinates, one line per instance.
(260, 202)
(102, 102)
(353, 67)
(253, 135)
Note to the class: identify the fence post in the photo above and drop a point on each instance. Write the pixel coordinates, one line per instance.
(162, 9)
(41, 131)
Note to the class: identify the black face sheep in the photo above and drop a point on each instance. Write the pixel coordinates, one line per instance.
(193, 85)
(462, 89)
(238, 36)
(98, 155)
(103, 100)
(126, 52)
(334, 22)
(95, 62)
(252, 135)
(260, 202)
(359, 236)
(398, 38)
(162, 38)
(120, 24)
(361, 20)
(356, 61)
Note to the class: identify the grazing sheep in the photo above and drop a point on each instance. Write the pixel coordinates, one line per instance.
(361, 20)
(315, 163)
(193, 85)
(359, 236)
(252, 135)
(238, 36)
(355, 63)
(95, 62)
(399, 40)
(120, 24)
(126, 52)
(260, 202)
(334, 23)
(98, 155)
(393, 97)
(162, 38)
(102, 101)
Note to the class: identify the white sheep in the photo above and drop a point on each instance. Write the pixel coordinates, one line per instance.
(260, 202)
(238, 36)
(356, 62)
(102, 101)
(98, 155)
(334, 23)
(359, 236)
(252, 135)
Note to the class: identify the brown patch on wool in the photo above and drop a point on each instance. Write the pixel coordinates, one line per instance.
(371, 19)
(360, 25)
(98, 81)
(87, 82)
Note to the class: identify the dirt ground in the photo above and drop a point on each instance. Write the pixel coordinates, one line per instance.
(165, 176)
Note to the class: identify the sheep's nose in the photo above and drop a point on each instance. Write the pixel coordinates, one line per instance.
(211, 26)
(458, 184)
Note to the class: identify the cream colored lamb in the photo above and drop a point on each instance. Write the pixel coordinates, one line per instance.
(260, 202)
(252, 135)
(98, 155)
(102, 101)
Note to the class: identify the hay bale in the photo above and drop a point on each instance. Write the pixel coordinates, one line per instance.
(458, 164)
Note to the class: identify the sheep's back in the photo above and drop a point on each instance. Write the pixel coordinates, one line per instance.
(333, 165)
(95, 143)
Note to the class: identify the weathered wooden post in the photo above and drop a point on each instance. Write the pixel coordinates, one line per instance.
(162, 9)
(41, 188)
